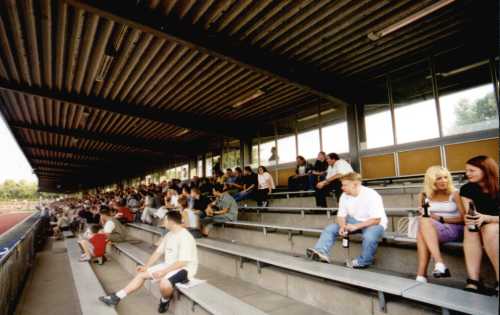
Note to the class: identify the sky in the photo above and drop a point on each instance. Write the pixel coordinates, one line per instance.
(13, 164)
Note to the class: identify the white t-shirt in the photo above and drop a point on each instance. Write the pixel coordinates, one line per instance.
(180, 246)
(367, 205)
(340, 167)
(109, 227)
(264, 181)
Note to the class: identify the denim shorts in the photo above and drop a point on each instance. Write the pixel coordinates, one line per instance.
(448, 232)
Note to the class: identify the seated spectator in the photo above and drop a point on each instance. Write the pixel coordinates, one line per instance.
(301, 181)
(205, 187)
(200, 202)
(361, 210)
(223, 209)
(171, 202)
(113, 229)
(235, 185)
(123, 213)
(266, 186)
(482, 191)
(445, 223)
(228, 177)
(95, 245)
(62, 224)
(90, 214)
(319, 169)
(190, 217)
(179, 266)
(149, 211)
(337, 167)
(250, 183)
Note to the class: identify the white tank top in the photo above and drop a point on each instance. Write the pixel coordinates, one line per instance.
(444, 208)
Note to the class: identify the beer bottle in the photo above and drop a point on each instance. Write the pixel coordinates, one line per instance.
(470, 214)
(426, 206)
(345, 240)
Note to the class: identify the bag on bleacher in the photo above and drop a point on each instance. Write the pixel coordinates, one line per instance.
(408, 226)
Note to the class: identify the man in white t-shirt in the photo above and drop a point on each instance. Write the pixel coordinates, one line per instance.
(180, 265)
(361, 210)
(337, 167)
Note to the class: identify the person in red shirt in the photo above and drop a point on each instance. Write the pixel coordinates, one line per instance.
(123, 213)
(95, 245)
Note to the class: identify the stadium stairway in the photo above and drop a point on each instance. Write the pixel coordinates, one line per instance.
(331, 288)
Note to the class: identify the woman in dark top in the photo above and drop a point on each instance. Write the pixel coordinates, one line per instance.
(481, 191)
(300, 181)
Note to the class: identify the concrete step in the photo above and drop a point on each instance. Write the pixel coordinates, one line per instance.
(265, 300)
(392, 258)
(391, 199)
(310, 220)
(114, 277)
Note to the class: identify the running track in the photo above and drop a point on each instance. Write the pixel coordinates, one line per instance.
(9, 220)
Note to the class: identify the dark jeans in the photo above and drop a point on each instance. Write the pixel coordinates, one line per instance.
(300, 182)
(321, 194)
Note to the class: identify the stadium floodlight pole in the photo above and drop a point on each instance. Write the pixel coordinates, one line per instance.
(409, 19)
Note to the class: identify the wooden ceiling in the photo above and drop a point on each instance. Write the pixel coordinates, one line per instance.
(96, 90)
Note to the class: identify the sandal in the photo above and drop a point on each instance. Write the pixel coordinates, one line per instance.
(472, 286)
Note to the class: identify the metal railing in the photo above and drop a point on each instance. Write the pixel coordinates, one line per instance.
(17, 261)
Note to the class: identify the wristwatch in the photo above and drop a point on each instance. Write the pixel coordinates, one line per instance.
(441, 219)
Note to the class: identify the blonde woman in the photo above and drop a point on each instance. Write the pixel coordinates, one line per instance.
(444, 223)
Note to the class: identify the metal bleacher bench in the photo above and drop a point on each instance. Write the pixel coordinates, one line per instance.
(210, 298)
(444, 297)
(329, 211)
(87, 285)
(388, 236)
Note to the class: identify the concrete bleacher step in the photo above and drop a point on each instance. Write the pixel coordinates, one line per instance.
(201, 299)
(310, 216)
(305, 281)
(295, 241)
(87, 285)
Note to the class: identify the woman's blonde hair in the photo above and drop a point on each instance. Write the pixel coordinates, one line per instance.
(431, 175)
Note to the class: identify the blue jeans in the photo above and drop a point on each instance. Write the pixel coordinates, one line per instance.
(371, 237)
(242, 195)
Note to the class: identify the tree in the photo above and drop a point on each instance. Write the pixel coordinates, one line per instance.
(11, 189)
(482, 110)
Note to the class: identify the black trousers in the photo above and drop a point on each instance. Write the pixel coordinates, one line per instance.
(321, 194)
(261, 195)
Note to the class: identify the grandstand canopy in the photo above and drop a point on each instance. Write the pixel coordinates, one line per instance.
(100, 90)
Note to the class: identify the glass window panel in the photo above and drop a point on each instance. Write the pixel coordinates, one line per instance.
(335, 138)
(377, 117)
(466, 94)
(286, 149)
(200, 168)
(309, 143)
(255, 156)
(208, 166)
(414, 106)
(266, 153)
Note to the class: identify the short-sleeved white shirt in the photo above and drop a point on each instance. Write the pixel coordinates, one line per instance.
(367, 205)
(264, 180)
(180, 246)
(109, 227)
(341, 167)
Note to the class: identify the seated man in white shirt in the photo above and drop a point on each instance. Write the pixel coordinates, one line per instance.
(361, 210)
(336, 168)
(180, 265)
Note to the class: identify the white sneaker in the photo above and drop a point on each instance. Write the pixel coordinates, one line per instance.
(421, 279)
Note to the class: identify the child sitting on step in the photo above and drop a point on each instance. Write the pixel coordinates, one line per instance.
(94, 246)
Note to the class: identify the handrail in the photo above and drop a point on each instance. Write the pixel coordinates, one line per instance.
(3, 259)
